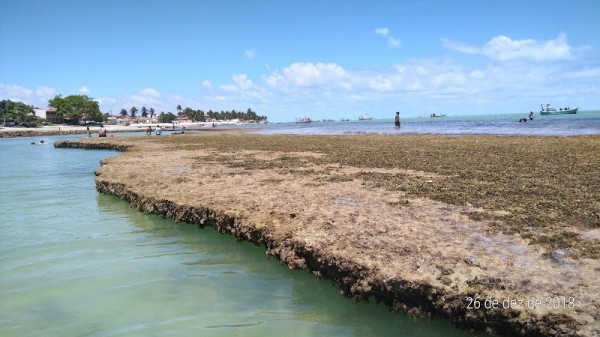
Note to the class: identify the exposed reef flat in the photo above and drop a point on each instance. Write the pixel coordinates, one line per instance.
(498, 234)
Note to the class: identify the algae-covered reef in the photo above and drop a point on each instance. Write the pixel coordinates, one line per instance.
(493, 233)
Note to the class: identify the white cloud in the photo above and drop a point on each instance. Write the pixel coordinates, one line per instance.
(240, 94)
(14, 91)
(381, 83)
(309, 75)
(147, 97)
(84, 90)
(503, 48)
(149, 92)
(382, 31)
(392, 42)
(250, 53)
(106, 100)
(37, 97)
(207, 84)
(45, 92)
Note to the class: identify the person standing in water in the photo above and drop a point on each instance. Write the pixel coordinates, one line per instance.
(397, 120)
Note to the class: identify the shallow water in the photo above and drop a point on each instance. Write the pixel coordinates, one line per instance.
(582, 123)
(77, 263)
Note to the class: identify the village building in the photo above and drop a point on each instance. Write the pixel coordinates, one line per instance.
(49, 116)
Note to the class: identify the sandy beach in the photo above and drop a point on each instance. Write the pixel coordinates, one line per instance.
(481, 230)
(53, 130)
(7, 132)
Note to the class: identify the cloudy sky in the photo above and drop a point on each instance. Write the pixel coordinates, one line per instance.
(290, 58)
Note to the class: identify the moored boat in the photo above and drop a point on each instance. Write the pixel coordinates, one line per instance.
(304, 120)
(437, 115)
(366, 117)
(561, 111)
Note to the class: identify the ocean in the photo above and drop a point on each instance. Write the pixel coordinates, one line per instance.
(582, 123)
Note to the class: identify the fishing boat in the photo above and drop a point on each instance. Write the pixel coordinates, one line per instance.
(304, 120)
(366, 117)
(561, 111)
(437, 115)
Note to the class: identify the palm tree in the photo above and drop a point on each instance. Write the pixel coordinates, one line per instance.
(133, 110)
(123, 112)
(179, 109)
(151, 113)
(144, 112)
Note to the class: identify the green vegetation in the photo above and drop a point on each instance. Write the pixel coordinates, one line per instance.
(198, 115)
(133, 111)
(17, 112)
(195, 115)
(546, 190)
(76, 108)
(166, 117)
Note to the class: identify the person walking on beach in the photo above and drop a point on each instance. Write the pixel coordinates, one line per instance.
(397, 120)
(88, 131)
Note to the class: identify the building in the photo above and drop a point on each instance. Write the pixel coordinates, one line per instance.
(50, 116)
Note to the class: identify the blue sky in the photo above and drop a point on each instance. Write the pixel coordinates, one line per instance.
(288, 59)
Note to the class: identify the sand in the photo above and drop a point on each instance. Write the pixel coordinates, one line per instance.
(497, 234)
(50, 130)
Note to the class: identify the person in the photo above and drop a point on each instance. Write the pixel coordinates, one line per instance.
(531, 115)
(158, 130)
(149, 130)
(102, 131)
(397, 120)
(88, 131)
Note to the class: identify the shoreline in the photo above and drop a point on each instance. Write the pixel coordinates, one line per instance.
(59, 130)
(373, 228)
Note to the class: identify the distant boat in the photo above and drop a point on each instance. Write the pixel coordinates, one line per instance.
(344, 120)
(304, 120)
(366, 117)
(562, 111)
(437, 115)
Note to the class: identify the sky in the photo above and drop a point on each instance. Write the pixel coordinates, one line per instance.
(287, 59)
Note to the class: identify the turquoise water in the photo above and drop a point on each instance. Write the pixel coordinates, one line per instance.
(77, 263)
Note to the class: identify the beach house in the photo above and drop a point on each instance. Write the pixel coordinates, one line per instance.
(50, 116)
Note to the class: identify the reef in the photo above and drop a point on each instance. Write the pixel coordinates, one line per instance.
(405, 232)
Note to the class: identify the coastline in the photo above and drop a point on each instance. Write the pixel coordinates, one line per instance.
(397, 218)
(59, 130)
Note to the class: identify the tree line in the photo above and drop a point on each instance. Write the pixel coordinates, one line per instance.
(197, 115)
(17, 112)
(193, 115)
(81, 108)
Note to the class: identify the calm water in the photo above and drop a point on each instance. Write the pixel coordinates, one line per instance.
(77, 263)
(583, 123)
